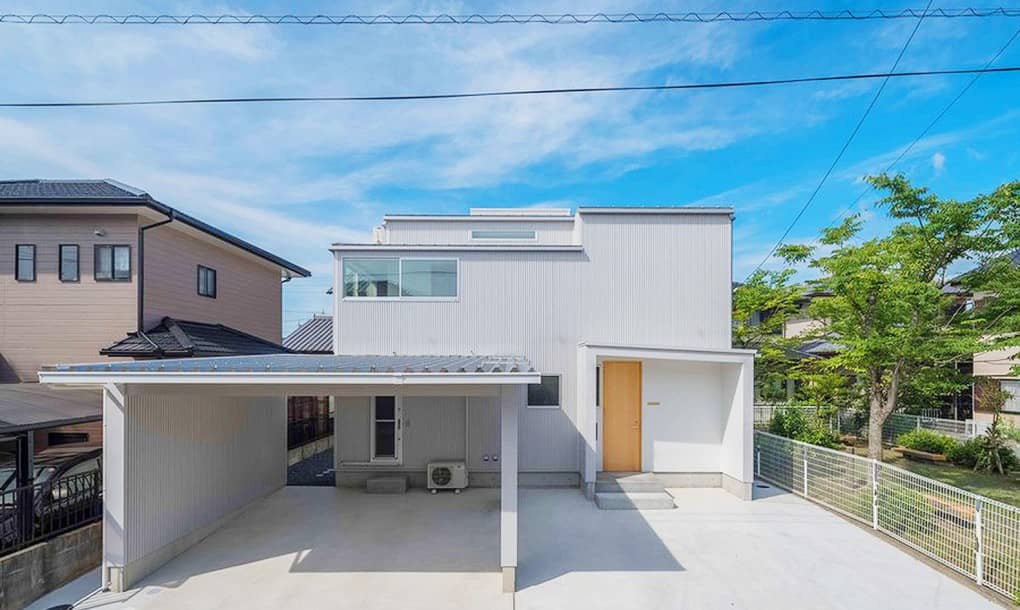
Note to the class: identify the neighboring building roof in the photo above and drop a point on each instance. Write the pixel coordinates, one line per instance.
(183, 338)
(311, 363)
(313, 336)
(819, 348)
(112, 193)
(30, 406)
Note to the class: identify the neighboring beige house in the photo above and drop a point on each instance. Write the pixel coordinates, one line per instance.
(96, 266)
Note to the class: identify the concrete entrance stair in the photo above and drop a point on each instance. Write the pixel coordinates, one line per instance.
(631, 491)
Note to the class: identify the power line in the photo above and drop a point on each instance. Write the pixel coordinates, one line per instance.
(930, 125)
(508, 93)
(842, 151)
(506, 18)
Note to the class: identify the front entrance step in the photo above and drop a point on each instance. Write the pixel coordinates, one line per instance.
(628, 482)
(634, 500)
(386, 485)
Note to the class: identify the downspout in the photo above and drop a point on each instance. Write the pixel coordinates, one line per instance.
(141, 265)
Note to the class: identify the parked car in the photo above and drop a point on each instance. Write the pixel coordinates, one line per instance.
(67, 492)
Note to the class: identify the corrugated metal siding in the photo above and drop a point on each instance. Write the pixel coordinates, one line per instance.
(353, 416)
(192, 459)
(459, 231)
(433, 430)
(483, 432)
(641, 280)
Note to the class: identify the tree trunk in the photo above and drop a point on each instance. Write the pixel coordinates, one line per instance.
(875, 422)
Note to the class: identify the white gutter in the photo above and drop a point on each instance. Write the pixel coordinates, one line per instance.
(282, 378)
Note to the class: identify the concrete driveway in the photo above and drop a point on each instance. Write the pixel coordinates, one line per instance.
(327, 548)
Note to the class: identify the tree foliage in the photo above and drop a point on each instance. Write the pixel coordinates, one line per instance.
(901, 333)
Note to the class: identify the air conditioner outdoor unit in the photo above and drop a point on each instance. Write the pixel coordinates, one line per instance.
(447, 475)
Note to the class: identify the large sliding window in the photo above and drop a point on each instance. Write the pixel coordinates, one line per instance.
(112, 264)
(395, 278)
(385, 429)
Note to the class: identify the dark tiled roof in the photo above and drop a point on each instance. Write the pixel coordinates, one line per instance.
(177, 338)
(819, 347)
(30, 406)
(313, 336)
(109, 192)
(312, 363)
(66, 189)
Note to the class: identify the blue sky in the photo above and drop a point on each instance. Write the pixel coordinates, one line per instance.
(293, 178)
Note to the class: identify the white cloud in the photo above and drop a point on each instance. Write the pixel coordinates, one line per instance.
(938, 162)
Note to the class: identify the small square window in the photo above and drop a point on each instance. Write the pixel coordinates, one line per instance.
(24, 262)
(69, 268)
(545, 395)
(206, 282)
(112, 264)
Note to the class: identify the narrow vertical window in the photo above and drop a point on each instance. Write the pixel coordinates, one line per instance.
(69, 267)
(385, 429)
(24, 262)
(206, 282)
(112, 263)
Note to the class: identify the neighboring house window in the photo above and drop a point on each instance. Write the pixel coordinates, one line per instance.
(66, 438)
(1013, 400)
(391, 278)
(24, 262)
(385, 429)
(505, 234)
(545, 395)
(206, 282)
(69, 268)
(113, 263)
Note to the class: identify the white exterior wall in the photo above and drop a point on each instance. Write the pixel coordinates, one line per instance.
(641, 279)
(187, 462)
(684, 431)
(560, 231)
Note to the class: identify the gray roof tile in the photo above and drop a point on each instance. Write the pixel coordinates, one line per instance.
(66, 189)
(176, 338)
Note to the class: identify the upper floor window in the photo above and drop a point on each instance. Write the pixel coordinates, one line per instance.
(504, 234)
(112, 264)
(69, 268)
(24, 262)
(400, 277)
(206, 282)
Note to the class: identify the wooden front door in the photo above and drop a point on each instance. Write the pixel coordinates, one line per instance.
(621, 416)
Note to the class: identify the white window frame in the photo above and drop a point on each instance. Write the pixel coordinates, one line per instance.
(559, 381)
(534, 235)
(400, 272)
(398, 435)
(1007, 385)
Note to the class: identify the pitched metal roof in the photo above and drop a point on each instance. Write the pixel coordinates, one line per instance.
(313, 336)
(30, 406)
(109, 192)
(177, 338)
(313, 363)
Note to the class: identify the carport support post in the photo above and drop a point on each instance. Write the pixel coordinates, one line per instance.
(587, 416)
(511, 397)
(114, 505)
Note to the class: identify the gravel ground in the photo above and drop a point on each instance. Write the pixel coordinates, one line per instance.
(316, 470)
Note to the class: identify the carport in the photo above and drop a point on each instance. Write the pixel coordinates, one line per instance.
(190, 443)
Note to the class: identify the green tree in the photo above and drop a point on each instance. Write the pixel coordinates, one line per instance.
(887, 307)
(761, 307)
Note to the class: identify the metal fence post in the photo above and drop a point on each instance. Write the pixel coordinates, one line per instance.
(918, 422)
(804, 458)
(979, 568)
(874, 494)
(757, 462)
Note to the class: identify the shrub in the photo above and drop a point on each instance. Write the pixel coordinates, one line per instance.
(793, 423)
(965, 454)
(927, 441)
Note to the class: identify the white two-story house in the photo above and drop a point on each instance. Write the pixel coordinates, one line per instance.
(536, 347)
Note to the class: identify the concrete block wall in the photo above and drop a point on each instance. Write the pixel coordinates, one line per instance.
(35, 571)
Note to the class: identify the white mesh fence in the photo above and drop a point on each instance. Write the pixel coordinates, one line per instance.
(971, 534)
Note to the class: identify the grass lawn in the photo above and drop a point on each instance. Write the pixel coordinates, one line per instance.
(1004, 489)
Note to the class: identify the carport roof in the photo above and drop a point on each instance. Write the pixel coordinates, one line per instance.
(30, 406)
(303, 368)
